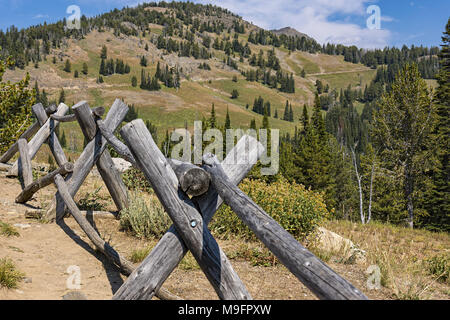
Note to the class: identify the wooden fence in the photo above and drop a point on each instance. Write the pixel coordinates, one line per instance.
(191, 195)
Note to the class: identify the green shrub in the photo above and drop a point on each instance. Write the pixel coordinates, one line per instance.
(145, 220)
(135, 180)
(439, 266)
(9, 276)
(296, 209)
(90, 201)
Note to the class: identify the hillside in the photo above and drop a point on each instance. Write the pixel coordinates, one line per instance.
(170, 107)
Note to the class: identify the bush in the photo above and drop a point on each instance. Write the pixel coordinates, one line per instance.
(16, 100)
(134, 179)
(142, 220)
(439, 266)
(296, 209)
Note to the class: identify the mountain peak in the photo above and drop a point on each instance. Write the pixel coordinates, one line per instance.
(289, 31)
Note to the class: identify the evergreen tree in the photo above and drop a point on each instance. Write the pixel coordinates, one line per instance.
(227, 121)
(437, 202)
(134, 81)
(85, 69)
(104, 53)
(62, 96)
(407, 106)
(102, 68)
(63, 140)
(68, 66)
(212, 119)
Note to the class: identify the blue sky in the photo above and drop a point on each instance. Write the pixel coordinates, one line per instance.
(418, 22)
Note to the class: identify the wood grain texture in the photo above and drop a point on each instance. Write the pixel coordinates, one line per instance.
(25, 168)
(40, 137)
(43, 182)
(53, 142)
(105, 164)
(187, 219)
(312, 272)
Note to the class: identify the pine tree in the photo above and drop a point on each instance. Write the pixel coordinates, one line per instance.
(85, 69)
(68, 66)
(437, 201)
(102, 68)
(407, 106)
(291, 113)
(62, 96)
(305, 117)
(212, 119)
(104, 53)
(63, 140)
(227, 121)
(286, 112)
(134, 81)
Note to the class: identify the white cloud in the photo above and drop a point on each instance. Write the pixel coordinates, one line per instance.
(313, 18)
(40, 16)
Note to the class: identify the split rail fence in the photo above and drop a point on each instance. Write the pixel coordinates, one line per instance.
(190, 194)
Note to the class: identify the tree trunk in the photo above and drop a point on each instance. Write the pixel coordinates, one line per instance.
(409, 189)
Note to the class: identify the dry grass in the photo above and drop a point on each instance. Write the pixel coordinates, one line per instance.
(9, 276)
(403, 256)
(8, 230)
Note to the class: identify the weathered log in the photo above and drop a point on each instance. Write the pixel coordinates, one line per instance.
(69, 118)
(43, 182)
(87, 160)
(25, 168)
(168, 253)
(194, 181)
(311, 271)
(99, 111)
(118, 145)
(41, 136)
(187, 219)
(53, 142)
(26, 135)
(105, 164)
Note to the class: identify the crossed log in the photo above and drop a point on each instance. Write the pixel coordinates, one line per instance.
(168, 253)
(90, 156)
(45, 133)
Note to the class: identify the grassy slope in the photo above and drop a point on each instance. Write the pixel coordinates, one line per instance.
(170, 108)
